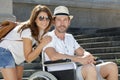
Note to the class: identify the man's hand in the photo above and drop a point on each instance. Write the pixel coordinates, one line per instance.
(86, 59)
(89, 59)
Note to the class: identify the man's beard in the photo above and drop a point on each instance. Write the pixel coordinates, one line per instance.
(61, 30)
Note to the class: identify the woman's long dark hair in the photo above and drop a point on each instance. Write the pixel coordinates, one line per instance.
(32, 24)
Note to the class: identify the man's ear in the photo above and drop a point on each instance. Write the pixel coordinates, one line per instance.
(69, 22)
(53, 22)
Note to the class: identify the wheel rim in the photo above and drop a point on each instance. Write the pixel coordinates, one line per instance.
(41, 75)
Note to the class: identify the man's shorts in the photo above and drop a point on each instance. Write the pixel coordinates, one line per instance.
(80, 77)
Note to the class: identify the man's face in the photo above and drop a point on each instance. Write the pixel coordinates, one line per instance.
(61, 23)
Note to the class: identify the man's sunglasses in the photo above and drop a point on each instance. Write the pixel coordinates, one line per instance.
(41, 18)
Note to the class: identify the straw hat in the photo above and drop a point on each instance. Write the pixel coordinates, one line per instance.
(62, 10)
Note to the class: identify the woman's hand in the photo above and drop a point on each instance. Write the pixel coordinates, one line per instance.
(45, 40)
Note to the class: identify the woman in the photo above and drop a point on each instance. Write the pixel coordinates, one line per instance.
(17, 46)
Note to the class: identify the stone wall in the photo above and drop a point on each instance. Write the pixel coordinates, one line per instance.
(6, 10)
(88, 14)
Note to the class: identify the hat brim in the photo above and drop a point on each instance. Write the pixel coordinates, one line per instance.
(71, 17)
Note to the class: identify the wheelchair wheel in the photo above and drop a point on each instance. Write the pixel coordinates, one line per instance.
(41, 75)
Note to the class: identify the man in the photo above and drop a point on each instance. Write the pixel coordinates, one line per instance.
(63, 46)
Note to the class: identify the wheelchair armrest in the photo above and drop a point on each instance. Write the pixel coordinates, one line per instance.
(59, 65)
(57, 61)
(98, 61)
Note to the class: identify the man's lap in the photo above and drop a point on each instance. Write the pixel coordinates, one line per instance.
(79, 74)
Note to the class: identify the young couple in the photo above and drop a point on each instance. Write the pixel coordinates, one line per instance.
(16, 47)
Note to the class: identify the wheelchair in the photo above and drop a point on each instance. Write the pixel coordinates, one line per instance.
(57, 70)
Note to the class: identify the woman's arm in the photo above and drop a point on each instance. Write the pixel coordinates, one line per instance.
(31, 54)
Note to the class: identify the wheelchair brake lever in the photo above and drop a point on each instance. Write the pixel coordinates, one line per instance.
(98, 61)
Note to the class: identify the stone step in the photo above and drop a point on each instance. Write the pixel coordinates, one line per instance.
(26, 73)
(29, 72)
(22, 78)
(113, 60)
(104, 49)
(100, 44)
(32, 66)
(119, 77)
(112, 33)
(38, 59)
(105, 56)
(108, 30)
(119, 69)
(117, 33)
(99, 39)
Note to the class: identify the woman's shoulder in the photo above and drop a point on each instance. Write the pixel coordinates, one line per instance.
(26, 33)
(27, 30)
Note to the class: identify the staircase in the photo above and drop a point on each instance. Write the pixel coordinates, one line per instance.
(104, 43)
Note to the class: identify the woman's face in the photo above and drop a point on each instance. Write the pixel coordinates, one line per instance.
(42, 20)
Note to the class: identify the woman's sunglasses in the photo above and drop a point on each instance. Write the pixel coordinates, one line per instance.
(41, 18)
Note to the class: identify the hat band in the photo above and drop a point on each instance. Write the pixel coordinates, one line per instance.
(62, 14)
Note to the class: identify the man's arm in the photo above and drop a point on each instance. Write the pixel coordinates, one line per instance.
(86, 55)
(53, 55)
(80, 51)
